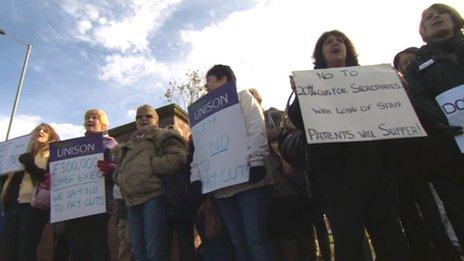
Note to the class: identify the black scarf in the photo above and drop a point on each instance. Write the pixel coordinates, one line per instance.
(453, 46)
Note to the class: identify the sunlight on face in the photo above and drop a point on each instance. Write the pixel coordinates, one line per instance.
(42, 135)
(93, 124)
(144, 121)
(212, 82)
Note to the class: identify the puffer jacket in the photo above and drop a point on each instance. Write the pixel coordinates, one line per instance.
(145, 160)
(437, 68)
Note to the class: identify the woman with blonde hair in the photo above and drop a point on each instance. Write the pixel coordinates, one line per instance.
(88, 236)
(24, 223)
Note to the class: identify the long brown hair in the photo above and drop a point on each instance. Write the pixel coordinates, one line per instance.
(39, 148)
(351, 56)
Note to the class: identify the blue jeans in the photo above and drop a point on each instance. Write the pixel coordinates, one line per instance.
(246, 218)
(148, 229)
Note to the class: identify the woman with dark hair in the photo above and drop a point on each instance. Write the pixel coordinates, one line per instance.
(320, 62)
(356, 181)
(438, 68)
(24, 223)
(244, 207)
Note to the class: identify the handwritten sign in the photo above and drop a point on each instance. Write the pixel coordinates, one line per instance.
(220, 138)
(452, 104)
(77, 186)
(10, 151)
(349, 104)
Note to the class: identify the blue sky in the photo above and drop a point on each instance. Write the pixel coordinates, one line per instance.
(116, 55)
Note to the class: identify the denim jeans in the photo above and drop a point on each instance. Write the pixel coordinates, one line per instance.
(148, 229)
(245, 216)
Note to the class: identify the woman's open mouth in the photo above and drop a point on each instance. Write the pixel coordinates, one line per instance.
(335, 49)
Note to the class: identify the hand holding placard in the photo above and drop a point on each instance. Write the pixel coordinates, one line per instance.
(354, 104)
(106, 168)
(219, 136)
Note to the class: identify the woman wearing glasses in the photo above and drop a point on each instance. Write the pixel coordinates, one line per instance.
(151, 154)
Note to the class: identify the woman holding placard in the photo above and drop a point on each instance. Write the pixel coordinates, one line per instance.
(88, 236)
(357, 183)
(244, 206)
(24, 223)
(436, 87)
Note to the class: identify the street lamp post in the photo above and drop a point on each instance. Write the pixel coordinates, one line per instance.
(21, 79)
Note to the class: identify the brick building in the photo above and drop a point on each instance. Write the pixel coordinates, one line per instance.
(170, 114)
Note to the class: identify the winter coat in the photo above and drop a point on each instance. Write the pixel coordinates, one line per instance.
(143, 161)
(287, 181)
(347, 156)
(437, 68)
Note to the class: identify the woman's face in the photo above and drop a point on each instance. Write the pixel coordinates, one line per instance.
(93, 124)
(144, 121)
(42, 134)
(438, 24)
(212, 82)
(334, 51)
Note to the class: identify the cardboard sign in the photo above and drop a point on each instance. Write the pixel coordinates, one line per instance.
(349, 104)
(10, 151)
(452, 104)
(220, 138)
(77, 186)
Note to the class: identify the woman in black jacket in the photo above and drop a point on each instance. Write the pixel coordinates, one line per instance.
(356, 179)
(439, 67)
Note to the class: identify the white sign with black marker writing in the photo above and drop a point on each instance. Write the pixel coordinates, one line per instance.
(10, 151)
(77, 185)
(352, 104)
(220, 139)
(452, 104)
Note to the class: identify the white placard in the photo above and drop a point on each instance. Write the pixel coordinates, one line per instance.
(349, 104)
(77, 185)
(10, 151)
(452, 104)
(220, 139)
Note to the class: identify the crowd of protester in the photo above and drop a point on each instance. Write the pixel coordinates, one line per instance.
(357, 201)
